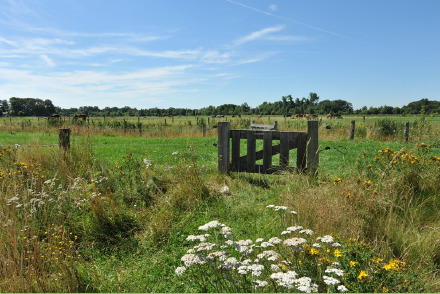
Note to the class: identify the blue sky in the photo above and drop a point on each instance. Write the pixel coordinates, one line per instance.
(196, 53)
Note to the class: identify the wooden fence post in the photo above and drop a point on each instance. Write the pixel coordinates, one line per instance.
(312, 146)
(352, 128)
(407, 131)
(64, 139)
(223, 129)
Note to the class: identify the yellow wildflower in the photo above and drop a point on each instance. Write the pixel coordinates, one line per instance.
(314, 251)
(337, 180)
(353, 263)
(337, 253)
(362, 275)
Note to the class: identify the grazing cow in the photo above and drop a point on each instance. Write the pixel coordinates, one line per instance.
(298, 115)
(79, 115)
(307, 116)
(314, 115)
(332, 115)
(55, 116)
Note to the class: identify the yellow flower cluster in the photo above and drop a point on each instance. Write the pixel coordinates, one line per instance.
(394, 265)
(59, 244)
(337, 181)
(392, 157)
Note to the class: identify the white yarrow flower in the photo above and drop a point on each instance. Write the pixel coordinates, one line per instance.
(259, 283)
(294, 228)
(193, 238)
(306, 231)
(325, 239)
(342, 288)
(275, 240)
(210, 225)
(330, 281)
(294, 241)
(190, 259)
(336, 271)
(147, 162)
(180, 270)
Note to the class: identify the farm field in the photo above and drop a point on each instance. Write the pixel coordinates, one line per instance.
(114, 214)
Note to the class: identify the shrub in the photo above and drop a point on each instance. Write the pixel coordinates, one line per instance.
(388, 127)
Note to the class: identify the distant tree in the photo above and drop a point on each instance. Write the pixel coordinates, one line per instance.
(30, 107)
(313, 98)
(373, 110)
(416, 107)
(49, 107)
(386, 110)
(4, 106)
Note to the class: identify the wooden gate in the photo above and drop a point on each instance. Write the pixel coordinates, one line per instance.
(229, 158)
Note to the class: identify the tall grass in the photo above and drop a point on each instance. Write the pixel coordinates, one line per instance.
(74, 222)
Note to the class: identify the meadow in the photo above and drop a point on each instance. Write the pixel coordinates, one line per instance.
(138, 205)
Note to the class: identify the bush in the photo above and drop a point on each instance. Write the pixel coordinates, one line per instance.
(388, 127)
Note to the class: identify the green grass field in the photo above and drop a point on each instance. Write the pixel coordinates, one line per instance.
(101, 219)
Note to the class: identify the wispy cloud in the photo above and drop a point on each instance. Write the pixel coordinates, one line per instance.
(47, 60)
(285, 18)
(273, 7)
(258, 35)
(100, 85)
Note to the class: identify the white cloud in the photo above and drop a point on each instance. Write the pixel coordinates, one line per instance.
(273, 7)
(47, 60)
(71, 89)
(258, 34)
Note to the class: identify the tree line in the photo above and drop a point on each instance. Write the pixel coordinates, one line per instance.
(286, 106)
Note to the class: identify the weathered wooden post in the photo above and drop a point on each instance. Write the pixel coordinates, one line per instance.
(352, 128)
(312, 146)
(204, 130)
(64, 139)
(223, 129)
(407, 131)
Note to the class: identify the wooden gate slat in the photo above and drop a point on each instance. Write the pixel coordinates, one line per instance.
(284, 149)
(267, 150)
(235, 154)
(251, 154)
